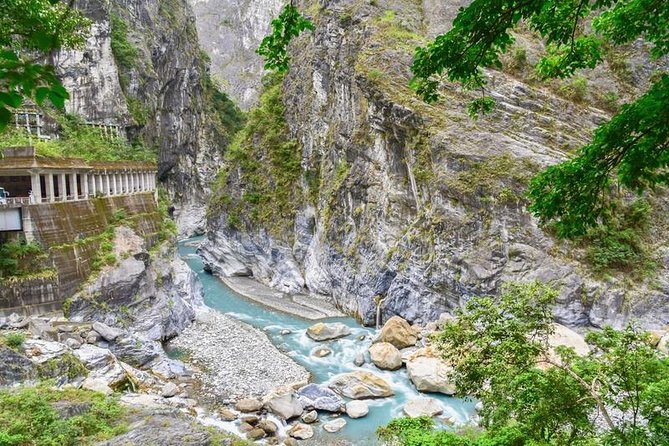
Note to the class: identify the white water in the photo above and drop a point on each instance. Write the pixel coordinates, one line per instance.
(360, 432)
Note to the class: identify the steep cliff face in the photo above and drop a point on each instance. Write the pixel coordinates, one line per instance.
(142, 68)
(230, 32)
(413, 205)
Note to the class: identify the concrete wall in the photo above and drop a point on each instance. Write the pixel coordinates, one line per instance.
(67, 232)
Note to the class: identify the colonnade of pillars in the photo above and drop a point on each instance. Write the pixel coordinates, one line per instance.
(81, 186)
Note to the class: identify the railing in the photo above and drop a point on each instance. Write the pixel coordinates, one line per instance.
(13, 202)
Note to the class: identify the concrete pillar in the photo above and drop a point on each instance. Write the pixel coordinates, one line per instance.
(119, 184)
(93, 186)
(36, 188)
(107, 188)
(74, 188)
(84, 184)
(126, 183)
(62, 187)
(50, 193)
(132, 182)
(112, 180)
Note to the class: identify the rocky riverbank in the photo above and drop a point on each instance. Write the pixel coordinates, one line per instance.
(235, 360)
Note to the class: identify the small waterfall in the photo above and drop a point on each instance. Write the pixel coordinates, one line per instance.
(379, 301)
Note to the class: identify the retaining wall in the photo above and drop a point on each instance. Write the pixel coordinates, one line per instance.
(67, 231)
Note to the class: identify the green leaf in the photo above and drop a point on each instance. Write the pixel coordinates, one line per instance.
(274, 47)
(5, 117)
(56, 99)
(12, 99)
(41, 94)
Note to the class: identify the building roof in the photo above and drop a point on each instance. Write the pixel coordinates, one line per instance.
(24, 158)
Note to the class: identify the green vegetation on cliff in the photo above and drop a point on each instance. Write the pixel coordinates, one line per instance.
(532, 393)
(265, 161)
(20, 259)
(78, 140)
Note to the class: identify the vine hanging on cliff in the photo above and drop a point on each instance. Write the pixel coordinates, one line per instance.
(274, 47)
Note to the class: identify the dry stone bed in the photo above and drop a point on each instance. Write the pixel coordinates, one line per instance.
(236, 360)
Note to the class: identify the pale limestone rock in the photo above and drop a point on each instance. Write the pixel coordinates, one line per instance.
(385, 356)
(360, 385)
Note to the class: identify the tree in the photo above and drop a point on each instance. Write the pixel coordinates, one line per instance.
(29, 31)
(631, 147)
(274, 47)
(535, 394)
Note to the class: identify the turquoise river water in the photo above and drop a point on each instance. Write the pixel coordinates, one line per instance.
(360, 432)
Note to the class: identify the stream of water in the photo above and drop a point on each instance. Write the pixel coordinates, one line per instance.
(361, 432)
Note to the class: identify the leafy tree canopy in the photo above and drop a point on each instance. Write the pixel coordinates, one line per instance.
(29, 31)
(274, 47)
(631, 148)
(533, 394)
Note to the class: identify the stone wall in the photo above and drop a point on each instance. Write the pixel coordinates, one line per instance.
(69, 232)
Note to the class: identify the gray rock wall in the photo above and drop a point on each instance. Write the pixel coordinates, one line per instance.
(160, 96)
(230, 32)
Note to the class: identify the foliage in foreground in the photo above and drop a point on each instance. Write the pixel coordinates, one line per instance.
(633, 147)
(274, 47)
(28, 417)
(30, 30)
(534, 395)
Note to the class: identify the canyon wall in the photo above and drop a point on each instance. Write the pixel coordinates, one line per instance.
(419, 206)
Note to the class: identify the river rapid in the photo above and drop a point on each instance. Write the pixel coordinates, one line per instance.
(288, 333)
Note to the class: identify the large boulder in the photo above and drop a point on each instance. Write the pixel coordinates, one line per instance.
(320, 397)
(301, 431)
(357, 409)
(334, 425)
(248, 405)
(361, 384)
(14, 367)
(97, 385)
(325, 332)
(430, 374)
(108, 333)
(385, 356)
(286, 406)
(136, 351)
(663, 345)
(398, 332)
(423, 406)
(564, 337)
(42, 329)
(161, 427)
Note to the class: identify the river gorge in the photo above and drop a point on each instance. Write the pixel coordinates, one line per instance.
(288, 333)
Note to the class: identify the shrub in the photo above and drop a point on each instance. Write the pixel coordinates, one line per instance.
(619, 244)
(125, 54)
(80, 141)
(576, 90)
(18, 258)
(518, 58)
(27, 416)
(14, 340)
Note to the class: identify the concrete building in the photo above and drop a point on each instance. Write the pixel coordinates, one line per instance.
(33, 180)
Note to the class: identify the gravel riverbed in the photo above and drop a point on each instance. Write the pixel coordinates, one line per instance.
(235, 360)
